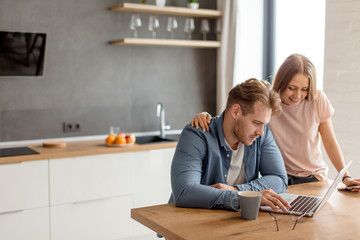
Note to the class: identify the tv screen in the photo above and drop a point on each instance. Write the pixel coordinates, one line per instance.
(22, 53)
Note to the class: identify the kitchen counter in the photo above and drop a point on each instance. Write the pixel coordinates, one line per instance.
(81, 148)
(70, 190)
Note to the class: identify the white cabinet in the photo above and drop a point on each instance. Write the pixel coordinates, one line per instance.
(24, 201)
(151, 184)
(99, 219)
(91, 177)
(24, 185)
(25, 224)
(88, 197)
(91, 197)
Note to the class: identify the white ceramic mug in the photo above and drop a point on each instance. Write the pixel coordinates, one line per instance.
(249, 204)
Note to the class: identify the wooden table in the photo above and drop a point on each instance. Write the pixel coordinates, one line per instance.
(339, 218)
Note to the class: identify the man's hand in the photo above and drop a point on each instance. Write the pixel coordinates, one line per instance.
(222, 186)
(268, 198)
(273, 200)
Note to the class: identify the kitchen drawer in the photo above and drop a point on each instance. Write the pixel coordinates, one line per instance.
(24, 185)
(26, 224)
(103, 219)
(92, 177)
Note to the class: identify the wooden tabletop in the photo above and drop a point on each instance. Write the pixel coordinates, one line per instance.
(81, 148)
(339, 218)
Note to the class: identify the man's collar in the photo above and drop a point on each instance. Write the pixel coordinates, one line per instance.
(219, 129)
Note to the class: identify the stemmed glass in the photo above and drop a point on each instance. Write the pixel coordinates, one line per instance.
(153, 25)
(135, 24)
(172, 25)
(218, 28)
(189, 26)
(204, 27)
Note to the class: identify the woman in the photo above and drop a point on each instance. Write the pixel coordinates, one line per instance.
(306, 116)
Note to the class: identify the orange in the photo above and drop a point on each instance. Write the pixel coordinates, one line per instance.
(120, 140)
(110, 139)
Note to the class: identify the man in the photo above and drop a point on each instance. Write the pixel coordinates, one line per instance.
(209, 168)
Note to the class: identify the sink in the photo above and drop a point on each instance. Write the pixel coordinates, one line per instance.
(156, 139)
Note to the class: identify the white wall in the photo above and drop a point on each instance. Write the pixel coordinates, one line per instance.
(342, 76)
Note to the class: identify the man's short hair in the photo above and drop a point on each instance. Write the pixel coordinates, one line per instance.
(246, 94)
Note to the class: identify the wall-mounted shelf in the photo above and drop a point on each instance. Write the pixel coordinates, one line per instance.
(166, 42)
(171, 11)
(167, 10)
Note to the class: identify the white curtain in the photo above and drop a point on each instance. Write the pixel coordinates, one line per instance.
(226, 53)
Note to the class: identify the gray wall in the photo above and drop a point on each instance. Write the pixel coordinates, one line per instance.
(90, 82)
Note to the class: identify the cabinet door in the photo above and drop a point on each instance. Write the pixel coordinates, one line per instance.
(91, 177)
(26, 224)
(152, 178)
(99, 219)
(24, 185)
(145, 176)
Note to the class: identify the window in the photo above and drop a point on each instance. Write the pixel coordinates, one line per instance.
(249, 40)
(299, 28)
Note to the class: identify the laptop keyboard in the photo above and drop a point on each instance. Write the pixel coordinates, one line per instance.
(304, 204)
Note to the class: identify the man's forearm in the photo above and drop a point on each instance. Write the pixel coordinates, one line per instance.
(273, 182)
(202, 196)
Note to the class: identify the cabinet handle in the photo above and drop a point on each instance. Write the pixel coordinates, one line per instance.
(10, 212)
(92, 200)
(12, 163)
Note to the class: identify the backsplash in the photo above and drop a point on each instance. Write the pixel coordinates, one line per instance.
(90, 82)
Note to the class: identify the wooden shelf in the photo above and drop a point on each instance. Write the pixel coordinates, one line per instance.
(173, 11)
(166, 43)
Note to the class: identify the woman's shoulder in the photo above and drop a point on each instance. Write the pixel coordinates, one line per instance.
(320, 97)
(323, 105)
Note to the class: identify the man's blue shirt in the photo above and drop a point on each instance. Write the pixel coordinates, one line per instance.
(202, 159)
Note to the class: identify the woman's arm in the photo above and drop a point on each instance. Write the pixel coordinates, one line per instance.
(333, 150)
(203, 119)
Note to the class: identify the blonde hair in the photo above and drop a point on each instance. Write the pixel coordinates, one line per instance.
(246, 94)
(295, 64)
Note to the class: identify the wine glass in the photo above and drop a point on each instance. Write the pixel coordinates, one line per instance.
(204, 28)
(189, 26)
(135, 24)
(153, 25)
(218, 28)
(172, 25)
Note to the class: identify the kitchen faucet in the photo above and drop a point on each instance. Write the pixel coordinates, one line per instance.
(160, 112)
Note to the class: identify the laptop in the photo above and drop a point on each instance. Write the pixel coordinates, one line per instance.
(308, 205)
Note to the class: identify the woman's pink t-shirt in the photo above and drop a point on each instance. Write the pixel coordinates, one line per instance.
(297, 136)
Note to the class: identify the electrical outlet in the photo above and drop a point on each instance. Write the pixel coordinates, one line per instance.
(71, 127)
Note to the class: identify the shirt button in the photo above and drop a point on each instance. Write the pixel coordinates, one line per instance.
(228, 155)
(225, 175)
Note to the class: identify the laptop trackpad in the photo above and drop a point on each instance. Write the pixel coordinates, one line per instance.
(288, 196)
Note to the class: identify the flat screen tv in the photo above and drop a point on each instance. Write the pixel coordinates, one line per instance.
(22, 53)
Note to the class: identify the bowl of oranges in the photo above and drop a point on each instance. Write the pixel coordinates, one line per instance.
(120, 140)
